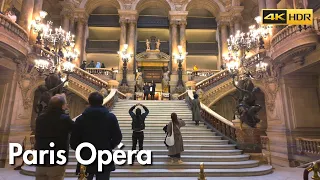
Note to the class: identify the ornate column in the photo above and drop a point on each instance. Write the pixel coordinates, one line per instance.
(174, 45)
(131, 45)
(36, 13)
(261, 5)
(123, 40)
(183, 43)
(26, 14)
(80, 37)
(65, 16)
(232, 29)
(72, 25)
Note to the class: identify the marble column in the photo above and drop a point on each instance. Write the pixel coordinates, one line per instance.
(65, 22)
(2, 5)
(272, 4)
(123, 40)
(36, 13)
(26, 14)
(224, 45)
(131, 45)
(262, 5)
(174, 46)
(80, 41)
(71, 26)
(37, 8)
(237, 25)
(183, 43)
(232, 29)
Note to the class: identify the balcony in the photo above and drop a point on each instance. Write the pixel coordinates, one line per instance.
(13, 39)
(293, 41)
(102, 46)
(202, 48)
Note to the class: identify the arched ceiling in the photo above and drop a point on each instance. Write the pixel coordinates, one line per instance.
(91, 5)
(209, 5)
(144, 4)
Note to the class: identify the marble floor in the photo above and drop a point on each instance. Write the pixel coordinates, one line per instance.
(279, 173)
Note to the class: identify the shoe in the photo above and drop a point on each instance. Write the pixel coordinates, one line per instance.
(180, 162)
(172, 161)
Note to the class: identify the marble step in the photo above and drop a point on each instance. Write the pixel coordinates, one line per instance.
(199, 146)
(192, 152)
(156, 124)
(195, 129)
(185, 165)
(162, 133)
(185, 142)
(186, 158)
(198, 138)
(256, 171)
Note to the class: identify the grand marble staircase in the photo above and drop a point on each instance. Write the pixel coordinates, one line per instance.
(201, 145)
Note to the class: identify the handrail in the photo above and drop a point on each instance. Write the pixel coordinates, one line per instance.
(308, 164)
(212, 79)
(181, 96)
(109, 100)
(14, 27)
(222, 125)
(91, 78)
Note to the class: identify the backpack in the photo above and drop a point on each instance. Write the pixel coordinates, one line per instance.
(138, 123)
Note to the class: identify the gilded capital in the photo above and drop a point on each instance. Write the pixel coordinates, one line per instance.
(81, 16)
(128, 16)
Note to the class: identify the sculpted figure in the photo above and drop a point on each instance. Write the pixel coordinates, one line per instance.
(148, 44)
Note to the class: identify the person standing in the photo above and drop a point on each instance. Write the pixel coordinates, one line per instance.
(152, 90)
(195, 107)
(175, 151)
(102, 65)
(83, 65)
(98, 65)
(97, 126)
(138, 125)
(146, 91)
(53, 126)
(91, 65)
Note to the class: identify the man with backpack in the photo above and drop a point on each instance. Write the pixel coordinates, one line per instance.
(138, 125)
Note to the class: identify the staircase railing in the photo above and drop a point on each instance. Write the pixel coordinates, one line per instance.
(101, 71)
(214, 80)
(218, 123)
(91, 78)
(308, 146)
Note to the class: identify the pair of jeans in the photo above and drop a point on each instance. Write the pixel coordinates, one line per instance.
(137, 136)
(100, 176)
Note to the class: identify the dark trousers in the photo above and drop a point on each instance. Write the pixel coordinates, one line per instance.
(100, 176)
(137, 136)
(178, 156)
(146, 96)
(152, 96)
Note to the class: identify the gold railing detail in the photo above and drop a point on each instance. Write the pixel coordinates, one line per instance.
(265, 142)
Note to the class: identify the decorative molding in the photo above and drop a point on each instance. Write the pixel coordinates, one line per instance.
(128, 16)
(28, 79)
(178, 17)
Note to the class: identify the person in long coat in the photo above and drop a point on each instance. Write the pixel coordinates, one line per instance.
(195, 107)
(175, 151)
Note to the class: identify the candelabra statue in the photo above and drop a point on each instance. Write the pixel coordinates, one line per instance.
(179, 58)
(242, 69)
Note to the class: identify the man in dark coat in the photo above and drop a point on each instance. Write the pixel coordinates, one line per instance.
(53, 126)
(152, 90)
(100, 128)
(138, 125)
(83, 65)
(146, 91)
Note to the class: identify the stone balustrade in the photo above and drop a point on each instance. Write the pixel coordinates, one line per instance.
(288, 32)
(13, 27)
(308, 146)
(89, 77)
(220, 124)
(101, 72)
(214, 80)
(294, 41)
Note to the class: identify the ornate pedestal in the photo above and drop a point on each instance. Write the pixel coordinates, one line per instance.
(139, 95)
(165, 96)
(248, 139)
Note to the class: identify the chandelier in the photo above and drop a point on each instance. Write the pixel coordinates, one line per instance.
(58, 40)
(242, 43)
